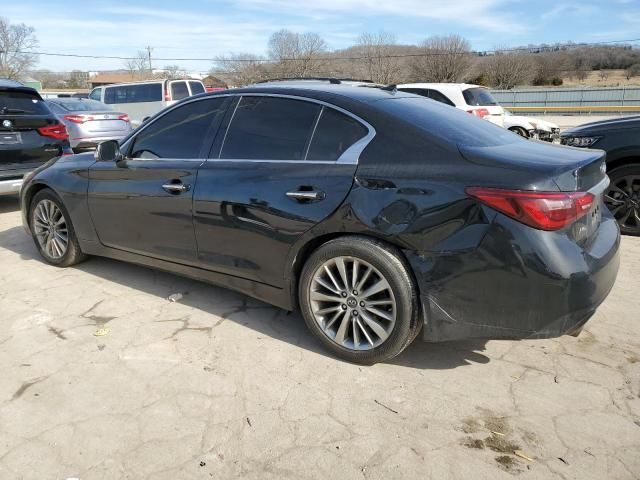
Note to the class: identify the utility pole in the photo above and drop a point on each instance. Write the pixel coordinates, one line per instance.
(149, 50)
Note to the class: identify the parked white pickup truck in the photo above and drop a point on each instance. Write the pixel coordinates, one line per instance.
(531, 127)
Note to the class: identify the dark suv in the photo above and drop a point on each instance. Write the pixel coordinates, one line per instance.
(620, 138)
(30, 134)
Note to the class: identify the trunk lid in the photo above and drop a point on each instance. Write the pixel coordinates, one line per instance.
(533, 165)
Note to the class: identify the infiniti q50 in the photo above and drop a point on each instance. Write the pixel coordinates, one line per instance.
(381, 215)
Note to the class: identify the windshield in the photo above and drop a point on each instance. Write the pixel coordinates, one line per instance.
(81, 105)
(20, 103)
(479, 97)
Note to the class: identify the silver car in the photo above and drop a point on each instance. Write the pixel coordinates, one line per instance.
(89, 122)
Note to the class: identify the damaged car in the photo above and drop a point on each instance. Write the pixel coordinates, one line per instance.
(532, 127)
(380, 216)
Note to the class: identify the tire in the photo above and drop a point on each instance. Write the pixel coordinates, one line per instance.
(623, 197)
(330, 316)
(49, 222)
(520, 131)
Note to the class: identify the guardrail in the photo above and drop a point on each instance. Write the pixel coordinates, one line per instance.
(571, 100)
(584, 109)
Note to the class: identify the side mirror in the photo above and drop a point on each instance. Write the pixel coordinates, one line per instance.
(109, 151)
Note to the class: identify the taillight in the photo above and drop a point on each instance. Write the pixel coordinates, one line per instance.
(124, 118)
(542, 210)
(58, 132)
(78, 118)
(479, 112)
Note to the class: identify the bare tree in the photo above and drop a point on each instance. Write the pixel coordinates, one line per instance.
(15, 43)
(444, 59)
(297, 54)
(604, 75)
(49, 79)
(171, 72)
(138, 66)
(377, 50)
(632, 71)
(507, 69)
(240, 69)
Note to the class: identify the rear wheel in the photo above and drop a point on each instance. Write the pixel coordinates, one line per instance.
(623, 198)
(358, 297)
(52, 231)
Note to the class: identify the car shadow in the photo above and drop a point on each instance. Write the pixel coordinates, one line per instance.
(266, 320)
(9, 203)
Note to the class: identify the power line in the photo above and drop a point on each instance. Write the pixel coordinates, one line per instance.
(539, 49)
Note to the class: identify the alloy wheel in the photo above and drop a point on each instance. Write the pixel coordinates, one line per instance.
(352, 303)
(623, 199)
(50, 228)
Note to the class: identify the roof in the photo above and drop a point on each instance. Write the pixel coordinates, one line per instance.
(457, 86)
(320, 90)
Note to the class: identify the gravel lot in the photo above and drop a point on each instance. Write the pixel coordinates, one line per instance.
(217, 385)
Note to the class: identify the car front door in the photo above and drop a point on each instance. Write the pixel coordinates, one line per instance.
(283, 165)
(143, 203)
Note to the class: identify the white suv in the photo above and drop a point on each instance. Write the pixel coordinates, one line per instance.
(473, 99)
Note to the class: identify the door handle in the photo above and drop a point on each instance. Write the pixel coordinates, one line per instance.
(306, 195)
(176, 187)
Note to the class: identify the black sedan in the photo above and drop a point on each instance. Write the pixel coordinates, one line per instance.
(620, 138)
(375, 212)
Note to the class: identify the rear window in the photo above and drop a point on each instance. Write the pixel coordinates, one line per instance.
(478, 97)
(196, 88)
(81, 105)
(450, 125)
(21, 103)
(335, 133)
(140, 93)
(179, 90)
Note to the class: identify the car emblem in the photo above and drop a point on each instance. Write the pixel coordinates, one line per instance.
(603, 168)
(7, 123)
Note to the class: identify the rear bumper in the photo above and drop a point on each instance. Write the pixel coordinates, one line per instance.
(10, 187)
(519, 283)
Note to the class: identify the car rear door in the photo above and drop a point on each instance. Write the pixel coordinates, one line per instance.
(143, 204)
(282, 166)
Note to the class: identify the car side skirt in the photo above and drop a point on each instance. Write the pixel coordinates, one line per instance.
(266, 293)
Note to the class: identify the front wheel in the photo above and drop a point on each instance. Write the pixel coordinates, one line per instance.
(358, 297)
(520, 131)
(52, 231)
(623, 198)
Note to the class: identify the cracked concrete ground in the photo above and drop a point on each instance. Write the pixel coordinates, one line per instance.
(218, 385)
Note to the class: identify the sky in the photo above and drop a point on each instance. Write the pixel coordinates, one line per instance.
(209, 28)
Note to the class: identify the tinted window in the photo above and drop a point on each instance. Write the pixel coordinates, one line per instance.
(416, 91)
(141, 93)
(181, 132)
(478, 97)
(179, 90)
(270, 128)
(439, 97)
(196, 88)
(335, 133)
(80, 105)
(95, 94)
(450, 125)
(20, 103)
